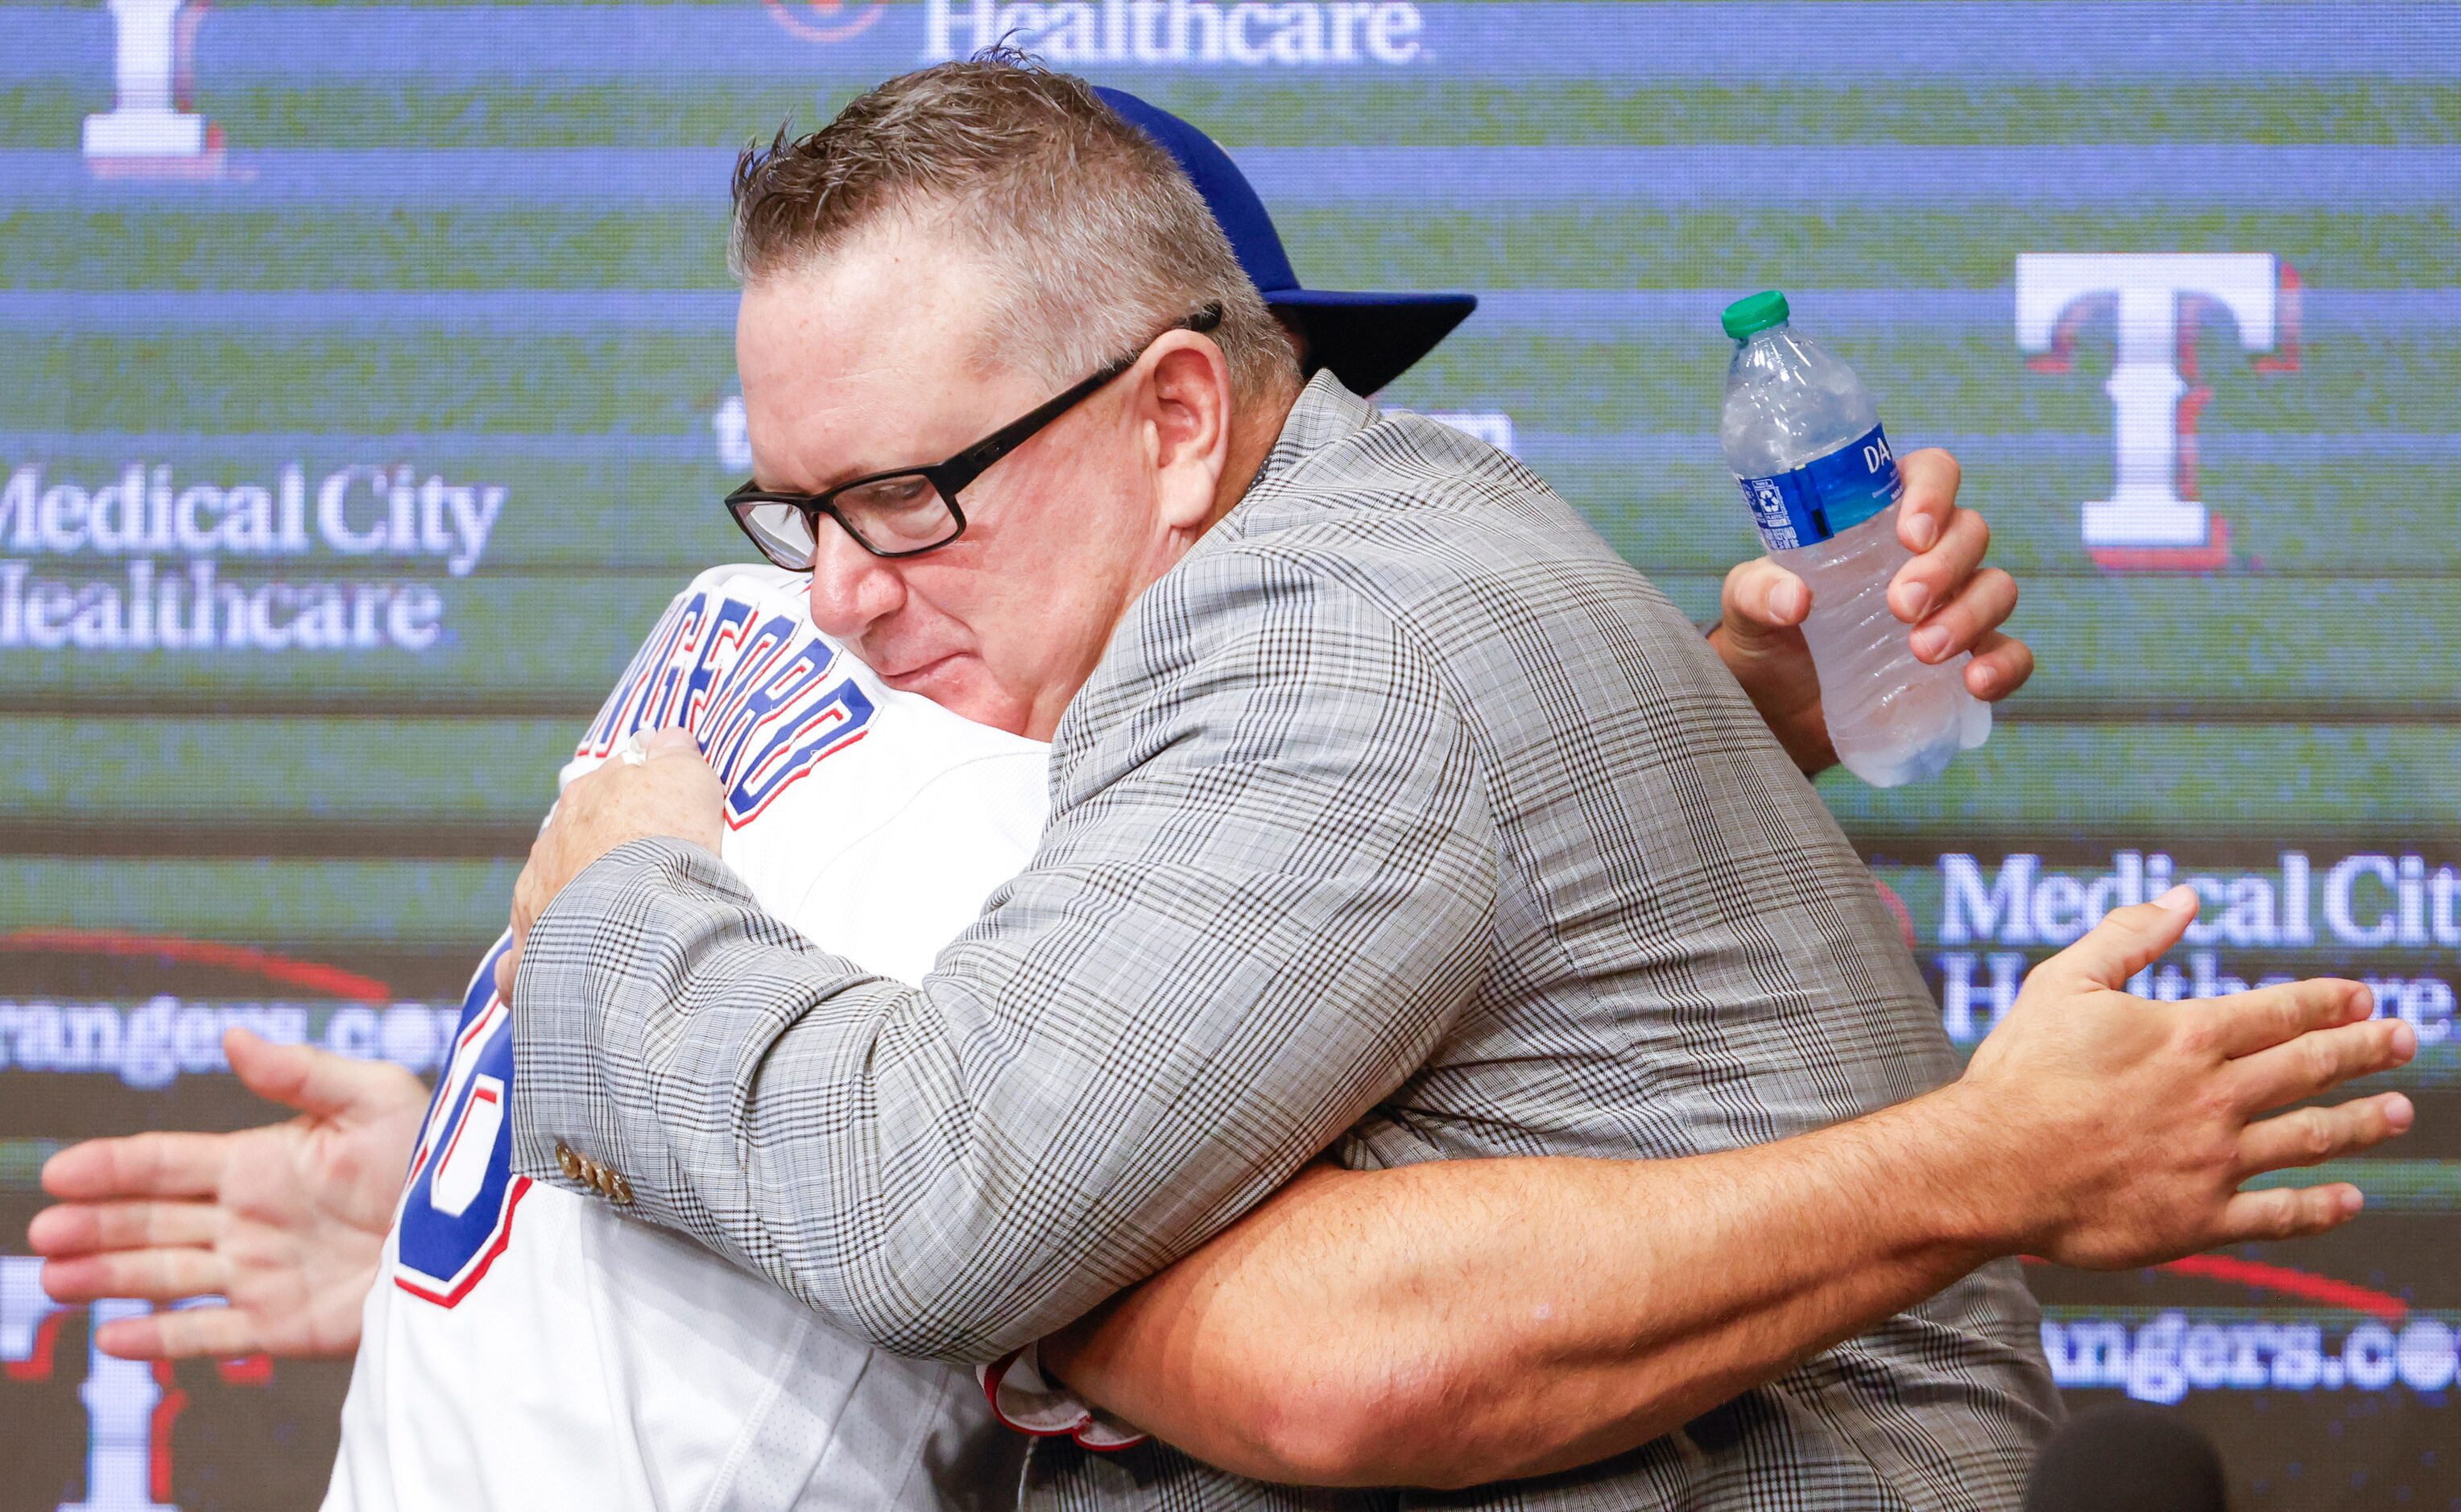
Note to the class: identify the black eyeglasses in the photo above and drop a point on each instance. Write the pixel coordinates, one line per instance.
(912, 510)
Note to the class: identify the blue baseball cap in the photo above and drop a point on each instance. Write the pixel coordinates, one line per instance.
(1368, 340)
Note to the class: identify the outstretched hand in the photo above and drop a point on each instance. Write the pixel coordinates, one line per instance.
(2118, 1131)
(1953, 603)
(285, 1222)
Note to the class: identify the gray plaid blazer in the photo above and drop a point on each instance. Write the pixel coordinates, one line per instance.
(1403, 818)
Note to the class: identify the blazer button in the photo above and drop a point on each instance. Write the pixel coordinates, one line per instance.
(622, 1191)
(567, 1162)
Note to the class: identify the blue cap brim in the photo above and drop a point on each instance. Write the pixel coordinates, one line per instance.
(1368, 340)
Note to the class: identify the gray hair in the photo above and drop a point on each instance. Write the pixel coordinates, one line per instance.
(1097, 240)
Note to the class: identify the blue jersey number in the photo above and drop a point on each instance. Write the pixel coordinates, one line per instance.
(456, 1213)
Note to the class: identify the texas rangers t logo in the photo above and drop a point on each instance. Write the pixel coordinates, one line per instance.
(2154, 518)
(150, 129)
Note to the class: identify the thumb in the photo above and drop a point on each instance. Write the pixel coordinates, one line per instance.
(2128, 940)
(1759, 597)
(314, 1081)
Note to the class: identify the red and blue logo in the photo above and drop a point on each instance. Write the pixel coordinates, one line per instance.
(826, 20)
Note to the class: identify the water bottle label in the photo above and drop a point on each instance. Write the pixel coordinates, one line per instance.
(1825, 496)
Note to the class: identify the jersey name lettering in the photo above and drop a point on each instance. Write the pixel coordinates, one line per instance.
(755, 689)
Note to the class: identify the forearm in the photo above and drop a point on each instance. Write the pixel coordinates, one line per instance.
(769, 1100)
(1461, 1322)
(942, 1192)
(1244, 923)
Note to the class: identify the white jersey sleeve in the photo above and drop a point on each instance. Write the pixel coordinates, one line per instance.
(524, 1347)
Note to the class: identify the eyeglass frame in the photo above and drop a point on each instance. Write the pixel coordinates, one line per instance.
(946, 477)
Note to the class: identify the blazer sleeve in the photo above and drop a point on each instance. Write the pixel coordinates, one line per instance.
(1267, 891)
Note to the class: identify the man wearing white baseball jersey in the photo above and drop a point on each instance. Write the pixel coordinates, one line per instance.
(524, 1347)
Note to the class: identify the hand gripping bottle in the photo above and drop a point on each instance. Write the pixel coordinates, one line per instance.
(1803, 439)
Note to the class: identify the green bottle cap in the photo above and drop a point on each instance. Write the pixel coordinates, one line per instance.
(1755, 312)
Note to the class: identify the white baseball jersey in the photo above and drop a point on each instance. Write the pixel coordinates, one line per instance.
(527, 1348)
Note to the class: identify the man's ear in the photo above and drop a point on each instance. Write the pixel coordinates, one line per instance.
(1187, 427)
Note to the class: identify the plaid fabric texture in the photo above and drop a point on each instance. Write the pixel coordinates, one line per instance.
(1402, 816)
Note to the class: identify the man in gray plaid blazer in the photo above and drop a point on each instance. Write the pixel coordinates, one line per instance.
(1393, 816)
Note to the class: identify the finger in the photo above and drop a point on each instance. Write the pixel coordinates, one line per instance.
(2127, 940)
(2313, 1135)
(314, 1081)
(1931, 477)
(1938, 575)
(78, 1228)
(2000, 665)
(2288, 1212)
(1978, 610)
(680, 797)
(186, 1333)
(156, 1275)
(1760, 595)
(588, 782)
(153, 1164)
(2245, 1023)
(670, 742)
(2315, 1063)
(517, 927)
(493, 964)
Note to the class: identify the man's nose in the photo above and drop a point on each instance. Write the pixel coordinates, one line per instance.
(851, 588)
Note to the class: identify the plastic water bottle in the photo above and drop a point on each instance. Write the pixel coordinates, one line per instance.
(1804, 442)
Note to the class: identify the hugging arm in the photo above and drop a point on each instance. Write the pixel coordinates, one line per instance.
(1246, 925)
(1461, 1322)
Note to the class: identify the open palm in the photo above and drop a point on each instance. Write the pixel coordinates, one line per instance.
(284, 1224)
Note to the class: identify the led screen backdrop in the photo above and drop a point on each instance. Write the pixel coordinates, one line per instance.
(368, 386)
